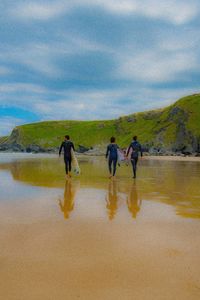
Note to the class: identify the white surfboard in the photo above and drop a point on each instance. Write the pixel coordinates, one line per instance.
(122, 159)
(120, 156)
(75, 166)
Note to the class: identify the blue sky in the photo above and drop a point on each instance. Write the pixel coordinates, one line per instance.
(81, 59)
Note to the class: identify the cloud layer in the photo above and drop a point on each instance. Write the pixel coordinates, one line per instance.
(95, 59)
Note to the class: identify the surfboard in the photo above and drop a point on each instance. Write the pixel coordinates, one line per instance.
(127, 160)
(120, 156)
(75, 166)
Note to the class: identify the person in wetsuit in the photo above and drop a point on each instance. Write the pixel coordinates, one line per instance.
(67, 145)
(111, 154)
(136, 148)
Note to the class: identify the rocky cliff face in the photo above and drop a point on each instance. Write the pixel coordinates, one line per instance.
(183, 140)
(12, 143)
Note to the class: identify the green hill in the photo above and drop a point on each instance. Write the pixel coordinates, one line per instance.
(174, 128)
(3, 139)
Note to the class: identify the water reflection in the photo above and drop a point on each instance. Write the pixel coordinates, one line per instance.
(170, 182)
(67, 204)
(133, 201)
(130, 197)
(112, 199)
(116, 199)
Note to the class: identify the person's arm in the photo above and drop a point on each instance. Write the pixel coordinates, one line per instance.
(128, 150)
(73, 147)
(141, 152)
(60, 150)
(107, 151)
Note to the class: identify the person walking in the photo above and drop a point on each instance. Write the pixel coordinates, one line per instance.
(136, 148)
(67, 145)
(112, 156)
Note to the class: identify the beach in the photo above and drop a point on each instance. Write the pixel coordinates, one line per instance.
(95, 238)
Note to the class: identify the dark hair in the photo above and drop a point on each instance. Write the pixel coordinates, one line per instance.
(112, 139)
(135, 138)
(67, 137)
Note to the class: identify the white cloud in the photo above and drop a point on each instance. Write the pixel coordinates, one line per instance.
(21, 87)
(43, 57)
(171, 52)
(37, 56)
(156, 66)
(95, 104)
(38, 11)
(8, 123)
(79, 105)
(110, 104)
(179, 40)
(175, 11)
(150, 98)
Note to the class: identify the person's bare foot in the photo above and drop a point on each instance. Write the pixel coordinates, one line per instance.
(70, 175)
(67, 176)
(110, 176)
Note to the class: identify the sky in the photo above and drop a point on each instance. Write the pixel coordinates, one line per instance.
(100, 59)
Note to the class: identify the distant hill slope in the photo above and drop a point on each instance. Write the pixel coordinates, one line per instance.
(3, 139)
(174, 128)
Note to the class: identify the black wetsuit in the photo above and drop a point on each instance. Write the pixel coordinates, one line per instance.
(136, 148)
(112, 152)
(67, 146)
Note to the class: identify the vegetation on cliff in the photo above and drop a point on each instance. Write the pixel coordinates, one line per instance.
(174, 128)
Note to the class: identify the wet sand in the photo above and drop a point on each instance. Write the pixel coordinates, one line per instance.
(92, 238)
(174, 158)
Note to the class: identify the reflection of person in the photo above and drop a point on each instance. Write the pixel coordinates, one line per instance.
(136, 148)
(112, 199)
(112, 155)
(68, 202)
(67, 145)
(133, 203)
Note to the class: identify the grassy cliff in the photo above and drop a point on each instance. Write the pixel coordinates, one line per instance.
(3, 139)
(174, 128)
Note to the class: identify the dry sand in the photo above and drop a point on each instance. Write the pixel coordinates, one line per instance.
(44, 256)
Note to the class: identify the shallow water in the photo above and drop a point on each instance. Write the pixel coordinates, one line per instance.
(95, 238)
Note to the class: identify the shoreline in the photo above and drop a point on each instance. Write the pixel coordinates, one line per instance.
(173, 158)
(90, 155)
